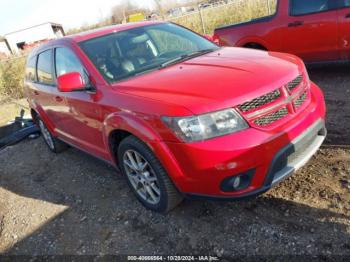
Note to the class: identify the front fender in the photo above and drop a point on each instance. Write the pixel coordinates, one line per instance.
(137, 125)
(132, 123)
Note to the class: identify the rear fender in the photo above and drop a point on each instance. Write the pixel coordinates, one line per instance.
(43, 116)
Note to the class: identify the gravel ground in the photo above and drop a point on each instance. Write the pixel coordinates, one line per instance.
(74, 204)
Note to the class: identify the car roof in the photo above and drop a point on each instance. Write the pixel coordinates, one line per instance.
(83, 36)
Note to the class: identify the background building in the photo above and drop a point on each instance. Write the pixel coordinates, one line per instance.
(31, 36)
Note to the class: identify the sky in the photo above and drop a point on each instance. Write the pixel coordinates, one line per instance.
(19, 14)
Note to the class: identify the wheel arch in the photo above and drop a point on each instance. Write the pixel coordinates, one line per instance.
(253, 41)
(119, 126)
(38, 112)
(115, 137)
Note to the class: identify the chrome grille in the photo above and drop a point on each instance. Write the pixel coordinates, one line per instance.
(271, 118)
(260, 101)
(257, 114)
(294, 83)
(300, 100)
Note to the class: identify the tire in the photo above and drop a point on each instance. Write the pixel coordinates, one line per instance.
(150, 176)
(53, 143)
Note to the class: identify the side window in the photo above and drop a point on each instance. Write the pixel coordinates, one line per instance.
(44, 69)
(30, 69)
(67, 62)
(347, 3)
(302, 7)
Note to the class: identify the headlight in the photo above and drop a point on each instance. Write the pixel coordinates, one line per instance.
(202, 127)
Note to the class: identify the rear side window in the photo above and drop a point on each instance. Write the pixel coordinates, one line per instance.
(44, 70)
(67, 62)
(30, 69)
(304, 7)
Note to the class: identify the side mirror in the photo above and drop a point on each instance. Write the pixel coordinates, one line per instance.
(70, 82)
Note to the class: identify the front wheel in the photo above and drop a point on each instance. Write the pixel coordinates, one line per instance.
(146, 176)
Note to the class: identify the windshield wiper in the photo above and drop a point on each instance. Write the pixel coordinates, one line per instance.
(186, 57)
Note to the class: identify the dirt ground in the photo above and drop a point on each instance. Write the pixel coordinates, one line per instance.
(74, 204)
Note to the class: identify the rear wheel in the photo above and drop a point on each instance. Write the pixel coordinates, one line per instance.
(54, 144)
(146, 176)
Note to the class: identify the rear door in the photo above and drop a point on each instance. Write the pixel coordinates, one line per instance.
(311, 30)
(344, 29)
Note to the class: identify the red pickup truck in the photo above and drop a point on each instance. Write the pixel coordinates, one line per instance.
(316, 30)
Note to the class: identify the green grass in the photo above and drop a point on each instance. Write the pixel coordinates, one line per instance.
(235, 12)
(11, 77)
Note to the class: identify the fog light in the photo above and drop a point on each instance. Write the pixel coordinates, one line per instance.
(237, 182)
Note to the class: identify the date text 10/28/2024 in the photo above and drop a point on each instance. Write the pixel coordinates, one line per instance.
(173, 258)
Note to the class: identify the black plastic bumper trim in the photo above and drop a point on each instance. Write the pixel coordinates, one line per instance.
(244, 196)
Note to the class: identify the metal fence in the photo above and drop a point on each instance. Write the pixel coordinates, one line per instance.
(205, 20)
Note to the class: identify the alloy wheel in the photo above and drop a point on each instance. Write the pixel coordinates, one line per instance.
(141, 176)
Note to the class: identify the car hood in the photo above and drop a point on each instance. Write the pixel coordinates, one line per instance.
(218, 80)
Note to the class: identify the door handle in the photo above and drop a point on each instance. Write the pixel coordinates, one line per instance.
(296, 23)
(36, 93)
(58, 99)
(347, 15)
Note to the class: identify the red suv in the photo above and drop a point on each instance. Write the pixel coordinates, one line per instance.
(179, 115)
(315, 30)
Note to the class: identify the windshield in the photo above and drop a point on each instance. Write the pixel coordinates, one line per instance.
(141, 50)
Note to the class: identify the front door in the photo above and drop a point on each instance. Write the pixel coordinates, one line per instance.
(82, 124)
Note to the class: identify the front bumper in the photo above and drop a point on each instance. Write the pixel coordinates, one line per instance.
(198, 169)
(295, 155)
(288, 160)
